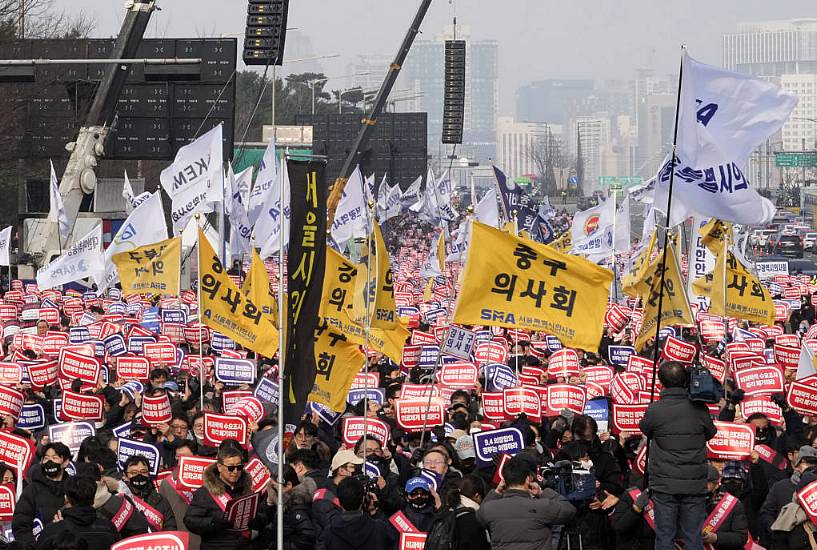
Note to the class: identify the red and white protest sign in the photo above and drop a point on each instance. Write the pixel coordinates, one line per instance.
(781, 311)
(716, 366)
(249, 407)
(353, 429)
(10, 373)
(132, 368)
(490, 352)
(166, 540)
(43, 373)
(791, 340)
(760, 380)
(678, 350)
(756, 345)
(459, 375)
(411, 414)
(600, 374)
(787, 356)
(11, 402)
(74, 365)
(807, 498)
(745, 359)
(413, 391)
(522, 400)
(802, 398)
(160, 354)
(16, 451)
(191, 470)
(712, 330)
(156, 409)
(411, 355)
(412, 541)
(419, 338)
(625, 387)
(627, 417)
(493, 406)
(731, 442)
(77, 406)
(616, 317)
(259, 474)
(640, 365)
(230, 398)
(8, 501)
(761, 404)
(218, 427)
(564, 363)
(8, 312)
(565, 396)
(54, 342)
(364, 380)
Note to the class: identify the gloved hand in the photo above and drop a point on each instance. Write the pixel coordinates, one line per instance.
(779, 399)
(642, 500)
(736, 397)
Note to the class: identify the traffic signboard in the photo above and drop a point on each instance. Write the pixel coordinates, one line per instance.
(796, 159)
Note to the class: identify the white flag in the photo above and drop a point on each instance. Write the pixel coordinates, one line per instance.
(265, 184)
(132, 202)
(701, 260)
(240, 228)
(623, 226)
(412, 192)
(431, 267)
(194, 180)
(391, 203)
(5, 245)
(56, 210)
(145, 225)
(267, 230)
(593, 221)
(723, 117)
(442, 198)
(805, 367)
(459, 245)
(351, 218)
(83, 259)
(487, 210)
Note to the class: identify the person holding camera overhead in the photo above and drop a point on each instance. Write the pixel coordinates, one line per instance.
(677, 429)
(519, 514)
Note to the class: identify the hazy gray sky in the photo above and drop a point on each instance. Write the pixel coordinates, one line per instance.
(538, 38)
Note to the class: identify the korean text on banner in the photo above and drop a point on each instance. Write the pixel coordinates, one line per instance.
(514, 282)
(151, 269)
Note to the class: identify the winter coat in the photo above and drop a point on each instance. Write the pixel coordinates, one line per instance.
(630, 527)
(422, 518)
(84, 523)
(299, 530)
(678, 429)
(206, 518)
(516, 521)
(179, 507)
(357, 531)
(38, 503)
(108, 504)
(158, 502)
(469, 534)
(779, 495)
(734, 531)
(325, 506)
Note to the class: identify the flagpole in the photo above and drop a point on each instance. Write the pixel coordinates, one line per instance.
(282, 391)
(198, 299)
(222, 220)
(431, 389)
(368, 325)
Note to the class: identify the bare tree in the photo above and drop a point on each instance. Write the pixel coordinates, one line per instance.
(40, 19)
(546, 155)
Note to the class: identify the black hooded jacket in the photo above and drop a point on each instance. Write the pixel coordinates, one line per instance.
(39, 501)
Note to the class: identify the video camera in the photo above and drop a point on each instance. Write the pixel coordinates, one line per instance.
(569, 479)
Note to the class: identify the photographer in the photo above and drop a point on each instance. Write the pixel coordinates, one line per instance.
(325, 506)
(354, 528)
(678, 430)
(519, 514)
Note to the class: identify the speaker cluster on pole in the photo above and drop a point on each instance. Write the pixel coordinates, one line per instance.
(266, 32)
(454, 100)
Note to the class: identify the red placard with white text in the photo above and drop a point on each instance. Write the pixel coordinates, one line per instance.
(760, 380)
(413, 412)
(164, 540)
(156, 409)
(678, 350)
(132, 368)
(74, 365)
(807, 498)
(218, 427)
(564, 363)
(731, 442)
(353, 429)
(565, 396)
(522, 400)
(11, 402)
(802, 398)
(77, 406)
(191, 470)
(627, 417)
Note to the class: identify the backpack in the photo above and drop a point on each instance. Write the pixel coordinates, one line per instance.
(443, 533)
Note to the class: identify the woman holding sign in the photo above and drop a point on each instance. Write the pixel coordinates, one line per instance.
(225, 509)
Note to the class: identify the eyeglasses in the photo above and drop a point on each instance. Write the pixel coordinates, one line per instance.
(239, 467)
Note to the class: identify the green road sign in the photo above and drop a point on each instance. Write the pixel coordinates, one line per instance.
(620, 182)
(796, 159)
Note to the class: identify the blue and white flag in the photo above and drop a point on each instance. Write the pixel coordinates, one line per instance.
(266, 184)
(56, 211)
(412, 193)
(723, 117)
(351, 217)
(268, 227)
(234, 207)
(132, 202)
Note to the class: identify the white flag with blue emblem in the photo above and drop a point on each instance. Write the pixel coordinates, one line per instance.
(83, 259)
(272, 225)
(723, 117)
(266, 184)
(56, 211)
(132, 202)
(351, 218)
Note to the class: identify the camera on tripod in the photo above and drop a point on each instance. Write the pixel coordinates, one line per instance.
(569, 479)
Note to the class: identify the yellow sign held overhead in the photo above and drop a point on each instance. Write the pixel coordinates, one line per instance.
(150, 269)
(256, 288)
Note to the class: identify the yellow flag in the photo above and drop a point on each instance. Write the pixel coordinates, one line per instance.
(514, 282)
(746, 298)
(150, 269)
(256, 288)
(336, 305)
(337, 362)
(563, 244)
(674, 307)
(714, 234)
(632, 283)
(374, 296)
(224, 309)
(441, 251)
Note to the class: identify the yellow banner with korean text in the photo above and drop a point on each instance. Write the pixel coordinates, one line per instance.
(225, 309)
(675, 308)
(746, 298)
(374, 289)
(150, 269)
(256, 288)
(563, 244)
(337, 361)
(632, 283)
(514, 282)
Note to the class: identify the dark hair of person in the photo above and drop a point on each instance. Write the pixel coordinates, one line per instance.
(136, 459)
(468, 486)
(359, 443)
(350, 494)
(80, 490)
(308, 457)
(158, 373)
(307, 427)
(290, 476)
(673, 375)
(61, 449)
(516, 471)
(229, 451)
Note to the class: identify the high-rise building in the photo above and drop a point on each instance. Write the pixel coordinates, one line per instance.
(367, 74)
(800, 132)
(424, 73)
(594, 131)
(550, 101)
(516, 142)
(656, 121)
(772, 48)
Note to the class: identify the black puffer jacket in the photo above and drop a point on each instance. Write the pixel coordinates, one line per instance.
(678, 430)
(158, 503)
(356, 531)
(631, 527)
(734, 531)
(84, 523)
(39, 501)
(205, 517)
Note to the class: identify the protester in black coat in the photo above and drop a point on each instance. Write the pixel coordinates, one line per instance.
(161, 517)
(79, 519)
(299, 531)
(632, 530)
(782, 492)
(353, 528)
(206, 518)
(41, 498)
(733, 532)
(463, 501)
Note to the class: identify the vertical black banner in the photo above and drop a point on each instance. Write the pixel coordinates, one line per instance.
(306, 264)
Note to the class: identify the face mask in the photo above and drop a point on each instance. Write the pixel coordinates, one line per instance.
(51, 468)
(140, 483)
(587, 464)
(761, 435)
(418, 503)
